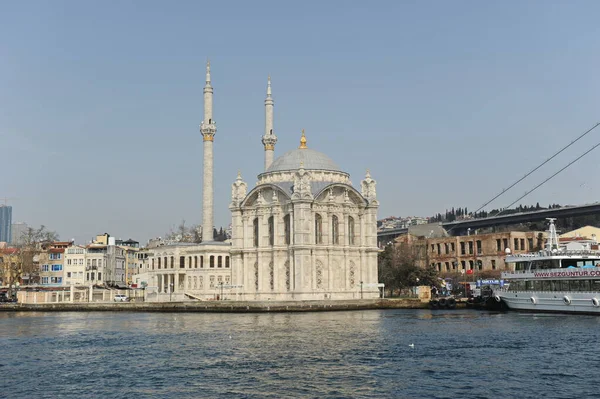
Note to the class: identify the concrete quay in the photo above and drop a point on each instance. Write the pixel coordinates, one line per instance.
(219, 306)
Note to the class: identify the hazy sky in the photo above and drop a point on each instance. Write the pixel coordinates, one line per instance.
(446, 102)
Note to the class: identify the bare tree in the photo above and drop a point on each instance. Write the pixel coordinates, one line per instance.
(23, 262)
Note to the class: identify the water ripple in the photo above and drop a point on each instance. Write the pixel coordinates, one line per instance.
(369, 354)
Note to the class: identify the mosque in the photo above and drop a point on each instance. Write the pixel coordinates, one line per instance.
(303, 233)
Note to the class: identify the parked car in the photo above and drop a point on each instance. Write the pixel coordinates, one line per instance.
(121, 298)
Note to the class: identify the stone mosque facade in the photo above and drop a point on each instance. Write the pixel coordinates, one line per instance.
(302, 233)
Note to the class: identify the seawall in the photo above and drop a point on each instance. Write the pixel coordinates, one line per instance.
(219, 306)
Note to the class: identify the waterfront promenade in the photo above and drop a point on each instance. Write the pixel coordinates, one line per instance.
(222, 306)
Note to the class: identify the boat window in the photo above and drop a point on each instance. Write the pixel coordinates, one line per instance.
(578, 262)
(554, 285)
(528, 285)
(521, 266)
(537, 285)
(546, 285)
(580, 285)
(564, 285)
(595, 285)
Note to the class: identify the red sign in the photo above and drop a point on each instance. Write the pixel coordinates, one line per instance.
(470, 271)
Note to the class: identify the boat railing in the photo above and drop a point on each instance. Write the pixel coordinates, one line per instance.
(563, 252)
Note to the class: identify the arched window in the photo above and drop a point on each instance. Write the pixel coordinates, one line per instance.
(152, 263)
(182, 262)
(335, 230)
(287, 228)
(220, 261)
(166, 262)
(227, 261)
(350, 230)
(271, 231)
(189, 262)
(201, 262)
(256, 232)
(159, 263)
(212, 261)
(318, 229)
(195, 262)
(172, 262)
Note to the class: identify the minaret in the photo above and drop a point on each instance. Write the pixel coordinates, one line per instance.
(208, 128)
(269, 139)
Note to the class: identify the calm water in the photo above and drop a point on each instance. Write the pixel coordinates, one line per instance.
(456, 354)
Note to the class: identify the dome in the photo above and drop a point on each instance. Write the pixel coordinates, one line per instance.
(310, 159)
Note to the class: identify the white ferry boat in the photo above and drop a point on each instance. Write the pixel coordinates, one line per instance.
(553, 280)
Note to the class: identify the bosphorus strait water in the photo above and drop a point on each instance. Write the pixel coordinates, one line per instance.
(360, 354)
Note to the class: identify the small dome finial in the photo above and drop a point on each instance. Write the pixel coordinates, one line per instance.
(303, 140)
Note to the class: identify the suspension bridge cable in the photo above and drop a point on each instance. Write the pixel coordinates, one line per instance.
(545, 181)
(536, 168)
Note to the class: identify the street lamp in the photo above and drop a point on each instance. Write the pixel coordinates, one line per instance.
(361, 292)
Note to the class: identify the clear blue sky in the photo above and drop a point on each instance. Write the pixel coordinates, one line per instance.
(445, 102)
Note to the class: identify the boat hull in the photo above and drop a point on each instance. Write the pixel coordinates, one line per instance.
(552, 302)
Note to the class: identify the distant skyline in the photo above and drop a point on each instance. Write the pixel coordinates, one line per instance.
(446, 103)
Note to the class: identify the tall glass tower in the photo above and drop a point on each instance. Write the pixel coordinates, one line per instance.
(5, 223)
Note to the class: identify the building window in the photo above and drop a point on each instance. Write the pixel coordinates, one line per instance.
(505, 242)
(350, 230)
(493, 264)
(220, 261)
(182, 262)
(172, 262)
(446, 247)
(226, 261)
(56, 268)
(212, 261)
(44, 268)
(318, 229)
(452, 249)
(479, 264)
(256, 232)
(195, 262)
(158, 262)
(470, 247)
(478, 244)
(522, 244)
(447, 266)
(287, 228)
(439, 266)
(189, 262)
(201, 262)
(44, 280)
(439, 248)
(462, 248)
(463, 264)
(335, 230)
(530, 243)
(432, 248)
(498, 245)
(55, 256)
(471, 265)
(271, 231)
(516, 242)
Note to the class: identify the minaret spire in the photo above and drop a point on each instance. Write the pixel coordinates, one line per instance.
(269, 139)
(208, 128)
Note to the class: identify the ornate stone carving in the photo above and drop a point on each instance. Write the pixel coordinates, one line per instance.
(208, 130)
(368, 188)
(238, 190)
(287, 275)
(301, 186)
(319, 274)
